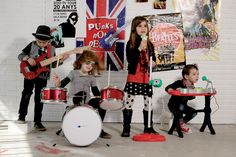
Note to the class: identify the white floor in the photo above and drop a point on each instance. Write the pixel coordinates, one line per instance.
(47, 144)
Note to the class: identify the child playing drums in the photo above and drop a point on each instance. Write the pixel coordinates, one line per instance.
(82, 79)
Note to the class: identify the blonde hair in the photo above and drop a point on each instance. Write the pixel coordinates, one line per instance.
(89, 55)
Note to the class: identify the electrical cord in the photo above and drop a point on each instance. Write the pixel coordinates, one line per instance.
(218, 106)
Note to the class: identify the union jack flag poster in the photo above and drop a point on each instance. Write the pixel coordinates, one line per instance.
(105, 31)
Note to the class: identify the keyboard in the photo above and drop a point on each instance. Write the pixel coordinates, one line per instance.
(197, 90)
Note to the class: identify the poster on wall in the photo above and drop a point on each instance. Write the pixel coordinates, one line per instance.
(65, 18)
(140, 1)
(166, 34)
(159, 4)
(200, 19)
(105, 26)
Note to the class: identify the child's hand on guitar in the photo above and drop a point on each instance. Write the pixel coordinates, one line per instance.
(56, 80)
(31, 61)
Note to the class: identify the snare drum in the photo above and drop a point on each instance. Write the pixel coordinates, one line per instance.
(112, 98)
(54, 95)
(81, 126)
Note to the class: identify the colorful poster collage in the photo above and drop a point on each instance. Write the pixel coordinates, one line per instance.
(190, 34)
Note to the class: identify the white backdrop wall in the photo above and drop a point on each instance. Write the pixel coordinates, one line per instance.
(20, 18)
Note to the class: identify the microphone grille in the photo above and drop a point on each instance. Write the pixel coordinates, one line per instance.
(144, 37)
(204, 78)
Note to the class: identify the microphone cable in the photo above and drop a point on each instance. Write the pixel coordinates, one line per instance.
(218, 106)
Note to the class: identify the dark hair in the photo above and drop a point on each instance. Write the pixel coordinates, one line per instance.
(89, 55)
(75, 19)
(187, 68)
(133, 34)
(214, 1)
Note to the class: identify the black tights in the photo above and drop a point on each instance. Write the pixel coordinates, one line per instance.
(80, 98)
(181, 110)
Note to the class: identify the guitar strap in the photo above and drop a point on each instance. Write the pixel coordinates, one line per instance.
(49, 54)
(49, 51)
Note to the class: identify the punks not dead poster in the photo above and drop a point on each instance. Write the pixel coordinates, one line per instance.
(105, 31)
(166, 34)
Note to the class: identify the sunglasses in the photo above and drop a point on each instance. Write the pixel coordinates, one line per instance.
(92, 63)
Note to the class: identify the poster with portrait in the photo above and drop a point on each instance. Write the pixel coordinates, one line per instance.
(65, 18)
(166, 34)
(159, 4)
(201, 29)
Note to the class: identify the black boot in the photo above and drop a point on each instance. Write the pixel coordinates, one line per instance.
(127, 116)
(102, 114)
(23, 110)
(145, 120)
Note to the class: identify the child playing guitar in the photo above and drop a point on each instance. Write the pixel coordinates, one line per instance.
(37, 48)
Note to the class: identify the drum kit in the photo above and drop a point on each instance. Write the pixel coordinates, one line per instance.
(82, 125)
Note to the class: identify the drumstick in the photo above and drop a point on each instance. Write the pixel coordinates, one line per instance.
(58, 59)
(109, 76)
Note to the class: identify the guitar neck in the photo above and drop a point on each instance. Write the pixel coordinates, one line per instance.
(122, 28)
(55, 58)
(117, 32)
(50, 60)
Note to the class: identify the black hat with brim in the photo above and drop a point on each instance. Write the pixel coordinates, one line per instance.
(43, 33)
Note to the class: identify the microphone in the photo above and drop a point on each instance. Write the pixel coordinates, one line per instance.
(204, 78)
(144, 37)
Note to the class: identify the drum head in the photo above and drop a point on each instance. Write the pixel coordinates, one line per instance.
(82, 126)
(111, 104)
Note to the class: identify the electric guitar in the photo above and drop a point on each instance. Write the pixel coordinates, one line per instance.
(111, 37)
(31, 72)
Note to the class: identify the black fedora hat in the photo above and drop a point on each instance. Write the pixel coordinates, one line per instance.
(43, 33)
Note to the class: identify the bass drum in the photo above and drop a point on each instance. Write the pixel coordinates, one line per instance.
(82, 126)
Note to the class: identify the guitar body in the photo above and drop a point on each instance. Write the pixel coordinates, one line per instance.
(103, 41)
(31, 72)
(110, 40)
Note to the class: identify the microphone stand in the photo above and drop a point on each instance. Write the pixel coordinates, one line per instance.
(209, 82)
(149, 137)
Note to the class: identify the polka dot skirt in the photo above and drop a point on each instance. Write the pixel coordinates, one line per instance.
(138, 88)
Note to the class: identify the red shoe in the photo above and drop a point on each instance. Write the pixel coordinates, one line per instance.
(185, 129)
